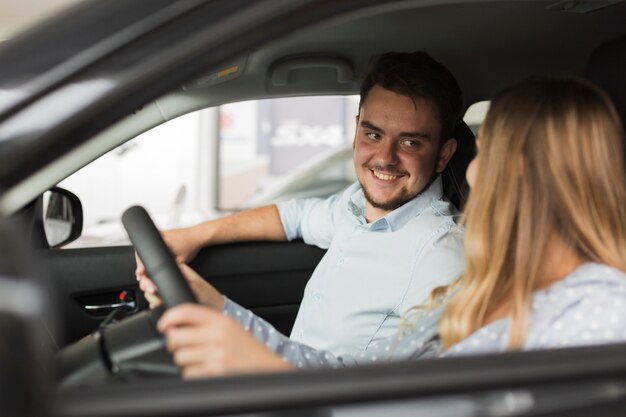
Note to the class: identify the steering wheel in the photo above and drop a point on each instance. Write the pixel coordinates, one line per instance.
(132, 347)
(156, 257)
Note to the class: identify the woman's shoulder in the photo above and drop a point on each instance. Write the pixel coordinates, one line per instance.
(587, 279)
(594, 274)
(587, 307)
(587, 287)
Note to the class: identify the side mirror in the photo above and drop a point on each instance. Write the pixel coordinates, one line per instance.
(62, 217)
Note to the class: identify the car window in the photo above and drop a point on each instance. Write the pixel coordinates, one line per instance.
(269, 150)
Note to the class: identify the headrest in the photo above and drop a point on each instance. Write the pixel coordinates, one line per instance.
(607, 68)
(455, 186)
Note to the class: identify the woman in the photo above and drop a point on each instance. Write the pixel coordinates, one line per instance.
(544, 244)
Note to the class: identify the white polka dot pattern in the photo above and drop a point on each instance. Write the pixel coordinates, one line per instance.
(588, 307)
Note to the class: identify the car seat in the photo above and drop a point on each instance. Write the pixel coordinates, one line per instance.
(607, 68)
(455, 186)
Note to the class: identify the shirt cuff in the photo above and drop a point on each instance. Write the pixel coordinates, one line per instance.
(232, 309)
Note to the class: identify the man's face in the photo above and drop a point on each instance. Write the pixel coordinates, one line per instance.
(396, 149)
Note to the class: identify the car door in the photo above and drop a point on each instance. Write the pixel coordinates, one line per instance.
(267, 277)
(93, 275)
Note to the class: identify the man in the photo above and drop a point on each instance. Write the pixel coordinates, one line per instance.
(391, 237)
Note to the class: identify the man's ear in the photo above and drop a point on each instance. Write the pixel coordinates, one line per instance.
(445, 154)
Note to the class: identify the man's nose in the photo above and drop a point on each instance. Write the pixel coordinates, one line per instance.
(387, 153)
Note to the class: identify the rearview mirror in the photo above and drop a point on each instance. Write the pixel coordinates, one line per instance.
(62, 217)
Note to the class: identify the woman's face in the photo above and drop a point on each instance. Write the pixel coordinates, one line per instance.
(472, 168)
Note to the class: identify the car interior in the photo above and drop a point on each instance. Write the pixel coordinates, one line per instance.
(313, 62)
(487, 46)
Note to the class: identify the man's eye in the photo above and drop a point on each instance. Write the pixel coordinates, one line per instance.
(373, 135)
(411, 143)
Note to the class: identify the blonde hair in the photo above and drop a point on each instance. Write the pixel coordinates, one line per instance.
(551, 161)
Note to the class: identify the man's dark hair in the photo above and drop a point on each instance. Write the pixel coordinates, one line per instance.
(418, 76)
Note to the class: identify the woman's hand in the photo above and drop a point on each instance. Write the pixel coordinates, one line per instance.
(206, 343)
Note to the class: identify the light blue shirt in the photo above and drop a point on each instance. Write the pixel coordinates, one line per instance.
(588, 307)
(372, 273)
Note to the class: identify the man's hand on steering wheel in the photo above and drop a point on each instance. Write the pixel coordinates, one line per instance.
(181, 242)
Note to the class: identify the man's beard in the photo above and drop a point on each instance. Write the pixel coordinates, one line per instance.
(401, 199)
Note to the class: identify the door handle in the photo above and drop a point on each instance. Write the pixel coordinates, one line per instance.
(129, 305)
(103, 303)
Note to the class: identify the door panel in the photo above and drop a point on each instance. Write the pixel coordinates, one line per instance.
(267, 277)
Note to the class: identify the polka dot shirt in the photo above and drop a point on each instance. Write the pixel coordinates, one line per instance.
(588, 307)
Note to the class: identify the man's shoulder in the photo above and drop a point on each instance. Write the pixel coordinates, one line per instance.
(431, 202)
(351, 190)
(441, 213)
(351, 195)
(440, 219)
(443, 207)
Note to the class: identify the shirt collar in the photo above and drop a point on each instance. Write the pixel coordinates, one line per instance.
(400, 216)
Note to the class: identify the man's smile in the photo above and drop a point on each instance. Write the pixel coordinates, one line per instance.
(385, 176)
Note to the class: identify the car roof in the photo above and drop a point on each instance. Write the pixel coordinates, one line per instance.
(532, 37)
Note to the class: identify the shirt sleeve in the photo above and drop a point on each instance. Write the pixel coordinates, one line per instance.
(297, 354)
(440, 262)
(310, 219)
(422, 342)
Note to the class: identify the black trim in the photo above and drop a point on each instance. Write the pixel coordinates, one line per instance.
(540, 370)
(154, 63)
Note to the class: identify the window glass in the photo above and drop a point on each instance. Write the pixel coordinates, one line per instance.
(269, 150)
(157, 169)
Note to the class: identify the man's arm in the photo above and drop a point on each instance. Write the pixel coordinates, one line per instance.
(262, 223)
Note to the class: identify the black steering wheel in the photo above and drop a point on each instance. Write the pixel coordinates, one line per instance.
(156, 257)
(132, 347)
